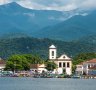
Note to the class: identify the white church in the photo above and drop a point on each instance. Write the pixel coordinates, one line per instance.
(64, 63)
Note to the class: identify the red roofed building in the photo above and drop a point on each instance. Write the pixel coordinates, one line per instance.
(87, 67)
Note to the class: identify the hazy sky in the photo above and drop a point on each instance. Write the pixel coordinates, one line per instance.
(55, 4)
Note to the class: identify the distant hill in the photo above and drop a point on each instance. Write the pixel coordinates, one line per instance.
(61, 25)
(30, 45)
(74, 28)
(17, 19)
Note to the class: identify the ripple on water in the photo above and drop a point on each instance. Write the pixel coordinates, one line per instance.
(47, 84)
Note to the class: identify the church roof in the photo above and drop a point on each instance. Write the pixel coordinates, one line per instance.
(64, 56)
(52, 46)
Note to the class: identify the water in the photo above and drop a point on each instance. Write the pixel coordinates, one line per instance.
(46, 84)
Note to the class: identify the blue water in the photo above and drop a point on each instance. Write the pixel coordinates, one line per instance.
(46, 84)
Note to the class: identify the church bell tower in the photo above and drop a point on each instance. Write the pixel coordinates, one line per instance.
(52, 52)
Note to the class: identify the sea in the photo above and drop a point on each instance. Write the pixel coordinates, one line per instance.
(15, 83)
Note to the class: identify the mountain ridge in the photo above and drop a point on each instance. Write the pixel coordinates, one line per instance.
(46, 23)
(26, 20)
(73, 28)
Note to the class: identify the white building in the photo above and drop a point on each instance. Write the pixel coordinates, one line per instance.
(64, 63)
(86, 67)
(2, 64)
(38, 68)
(79, 69)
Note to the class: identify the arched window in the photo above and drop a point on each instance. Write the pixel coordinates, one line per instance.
(63, 64)
(68, 64)
(52, 53)
(64, 57)
(60, 65)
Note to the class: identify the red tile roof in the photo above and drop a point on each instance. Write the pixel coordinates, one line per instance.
(35, 66)
(91, 61)
(88, 61)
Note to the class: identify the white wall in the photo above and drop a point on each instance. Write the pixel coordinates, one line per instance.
(50, 54)
(68, 69)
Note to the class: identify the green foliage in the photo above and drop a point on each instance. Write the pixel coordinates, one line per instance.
(50, 66)
(33, 59)
(32, 46)
(17, 62)
(22, 62)
(73, 69)
(39, 47)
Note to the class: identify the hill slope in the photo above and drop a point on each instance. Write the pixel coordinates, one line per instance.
(17, 19)
(73, 28)
(40, 46)
(56, 24)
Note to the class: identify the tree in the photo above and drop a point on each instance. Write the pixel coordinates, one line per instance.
(17, 62)
(33, 59)
(22, 62)
(50, 66)
(64, 71)
(73, 69)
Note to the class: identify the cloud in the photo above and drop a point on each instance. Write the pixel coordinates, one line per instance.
(89, 4)
(3, 1)
(61, 5)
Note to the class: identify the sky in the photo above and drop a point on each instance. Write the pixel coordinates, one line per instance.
(60, 5)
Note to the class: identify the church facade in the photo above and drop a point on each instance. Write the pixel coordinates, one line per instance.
(64, 63)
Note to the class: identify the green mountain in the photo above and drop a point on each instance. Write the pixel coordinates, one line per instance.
(71, 29)
(61, 25)
(30, 45)
(17, 19)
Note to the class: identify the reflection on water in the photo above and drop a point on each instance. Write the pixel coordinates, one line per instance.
(46, 84)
